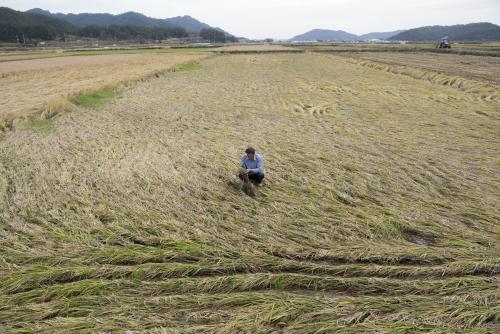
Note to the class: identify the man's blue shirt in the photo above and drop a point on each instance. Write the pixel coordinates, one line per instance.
(254, 165)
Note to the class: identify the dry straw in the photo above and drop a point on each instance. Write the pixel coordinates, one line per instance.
(379, 213)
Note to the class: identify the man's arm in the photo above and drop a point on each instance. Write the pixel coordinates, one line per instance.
(244, 168)
(259, 165)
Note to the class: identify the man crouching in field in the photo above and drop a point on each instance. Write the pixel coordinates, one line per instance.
(252, 167)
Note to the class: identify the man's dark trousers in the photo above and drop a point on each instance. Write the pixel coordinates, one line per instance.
(255, 177)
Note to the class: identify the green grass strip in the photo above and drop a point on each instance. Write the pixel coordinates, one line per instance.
(95, 99)
(41, 125)
(187, 67)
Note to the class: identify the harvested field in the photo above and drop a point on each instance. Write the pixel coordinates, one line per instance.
(30, 54)
(379, 211)
(14, 67)
(29, 85)
(254, 48)
(476, 89)
(480, 68)
(480, 49)
(11, 56)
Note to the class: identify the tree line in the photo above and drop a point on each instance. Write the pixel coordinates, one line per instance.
(28, 33)
(125, 32)
(216, 36)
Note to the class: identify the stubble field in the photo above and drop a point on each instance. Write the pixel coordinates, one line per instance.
(33, 85)
(379, 211)
(478, 68)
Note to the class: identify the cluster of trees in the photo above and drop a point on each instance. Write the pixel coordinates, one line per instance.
(22, 33)
(125, 32)
(11, 33)
(215, 35)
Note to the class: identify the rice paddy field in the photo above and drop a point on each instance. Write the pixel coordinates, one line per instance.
(477, 68)
(236, 48)
(478, 49)
(29, 85)
(379, 212)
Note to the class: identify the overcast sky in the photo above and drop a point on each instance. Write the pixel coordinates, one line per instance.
(287, 18)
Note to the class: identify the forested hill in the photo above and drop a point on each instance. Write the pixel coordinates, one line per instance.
(130, 18)
(38, 25)
(14, 25)
(30, 27)
(460, 32)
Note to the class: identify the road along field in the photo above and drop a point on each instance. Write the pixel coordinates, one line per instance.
(379, 211)
(30, 86)
(480, 68)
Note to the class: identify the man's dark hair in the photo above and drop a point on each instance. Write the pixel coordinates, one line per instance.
(250, 150)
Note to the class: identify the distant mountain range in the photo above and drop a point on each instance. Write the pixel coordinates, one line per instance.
(461, 32)
(379, 35)
(129, 18)
(339, 35)
(325, 35)
(42, 24)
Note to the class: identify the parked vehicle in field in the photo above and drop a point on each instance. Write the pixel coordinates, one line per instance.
(444, 43)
